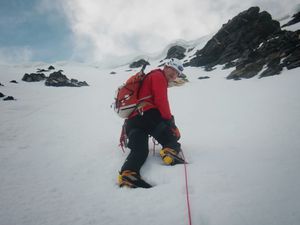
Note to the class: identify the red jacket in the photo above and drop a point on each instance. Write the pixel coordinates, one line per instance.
(155, 85)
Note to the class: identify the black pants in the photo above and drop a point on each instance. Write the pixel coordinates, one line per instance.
(138, 130)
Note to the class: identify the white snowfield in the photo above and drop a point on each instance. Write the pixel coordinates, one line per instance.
(59, 154)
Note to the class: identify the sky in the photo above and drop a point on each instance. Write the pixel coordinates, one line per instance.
(105, 31)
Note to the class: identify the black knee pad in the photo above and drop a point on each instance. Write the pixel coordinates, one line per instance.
(164, 135)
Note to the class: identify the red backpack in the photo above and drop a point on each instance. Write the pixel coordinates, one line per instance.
(127, 96)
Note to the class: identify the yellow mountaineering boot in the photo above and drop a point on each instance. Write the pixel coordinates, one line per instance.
(170, 156)
(131, 179)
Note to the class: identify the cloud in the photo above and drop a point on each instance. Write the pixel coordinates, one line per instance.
(103, 30)
(119, 28)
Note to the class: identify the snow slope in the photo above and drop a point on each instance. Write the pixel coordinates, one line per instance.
(59, 154)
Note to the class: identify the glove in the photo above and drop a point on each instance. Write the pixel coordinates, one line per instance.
(176, 133)
(173, 127)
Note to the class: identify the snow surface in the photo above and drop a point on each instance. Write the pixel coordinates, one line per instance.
(59, 155)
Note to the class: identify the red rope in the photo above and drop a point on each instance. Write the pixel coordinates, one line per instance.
(186, 183)
(187, 190)
(123, 137)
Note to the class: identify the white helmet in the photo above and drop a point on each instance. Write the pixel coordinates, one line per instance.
(175, 64)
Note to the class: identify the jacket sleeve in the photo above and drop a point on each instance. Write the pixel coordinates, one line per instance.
(160, 95)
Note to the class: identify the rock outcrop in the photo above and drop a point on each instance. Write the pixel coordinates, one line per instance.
(176, 52)
(139, 63)
(9, 98)
(245, 31)
(33, 77)
(278, 51)
(57, 79)
(253, 43)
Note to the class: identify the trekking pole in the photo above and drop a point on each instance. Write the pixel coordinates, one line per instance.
(187, 190)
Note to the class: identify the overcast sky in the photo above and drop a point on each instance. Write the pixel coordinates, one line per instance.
(102, 30)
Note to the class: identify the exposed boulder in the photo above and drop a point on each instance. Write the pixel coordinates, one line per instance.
(79, 83)
(9, 98)
(176, 52)
(14, 82)
(139, 63)
(1, 84)
(1, 95)
(51, 68)
(203, 78)
(57, 79)
(33, 77)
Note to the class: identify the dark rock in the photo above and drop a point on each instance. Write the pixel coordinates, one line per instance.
(209, 68)
(1, 84)
(82, 83)
(1, 95)
(14, 82)
(176, 52)
(77, 83)
(41, 70)
(113, 72)
(190, 49)
(9, 98)
(273, 68)
(74, 81)
(283, 46)
(229, 65)
(139, 63)
(245, 31)
(271, 71)
(202, 78)
(57, 79)
(293, 59)
(248, 71)
(33, 77)
(296, 19)
(186, 63)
